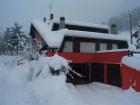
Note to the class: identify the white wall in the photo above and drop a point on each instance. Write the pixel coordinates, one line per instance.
(68, 47)
(114, 46)
(103, 46)
(87, 47)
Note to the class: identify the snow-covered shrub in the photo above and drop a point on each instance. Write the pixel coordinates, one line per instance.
(58, 65)
(48, 89)
(50, 66)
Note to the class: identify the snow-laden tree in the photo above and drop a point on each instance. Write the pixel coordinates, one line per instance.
(15, 40)
(123, 20)
(8, 42)
(1, 44)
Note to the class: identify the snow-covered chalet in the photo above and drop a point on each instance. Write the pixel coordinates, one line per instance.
(94, 52)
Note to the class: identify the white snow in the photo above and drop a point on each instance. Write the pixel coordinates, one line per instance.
(52, 91)
(102, 94)
(56, 62)
(55, 38)
(94, 35)
(80, 23)
(32, 84)
(115, 50)
(133, 61)
(132, 47)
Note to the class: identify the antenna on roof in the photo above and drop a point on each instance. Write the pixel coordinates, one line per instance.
(50, 7)
(130, 18)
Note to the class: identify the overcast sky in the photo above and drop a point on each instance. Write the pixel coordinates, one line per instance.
(96, 11)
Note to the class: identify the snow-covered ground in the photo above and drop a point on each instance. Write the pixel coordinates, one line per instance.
(22, 85)
(102, 94)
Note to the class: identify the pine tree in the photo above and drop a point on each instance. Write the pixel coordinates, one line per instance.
(1, 44)
(7, 44)
(15, 40)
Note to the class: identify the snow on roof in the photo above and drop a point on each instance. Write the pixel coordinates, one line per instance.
(115, 50)
(94, 35)
(133, 61)
(54, 39)
(81, 23)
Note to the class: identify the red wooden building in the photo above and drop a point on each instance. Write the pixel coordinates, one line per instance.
(94, 52)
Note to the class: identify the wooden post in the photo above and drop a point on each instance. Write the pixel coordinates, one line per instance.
(89, 75)
(105, 73)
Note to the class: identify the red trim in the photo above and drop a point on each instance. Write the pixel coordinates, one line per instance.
(39, 38)
(105, 73)
(109, 57)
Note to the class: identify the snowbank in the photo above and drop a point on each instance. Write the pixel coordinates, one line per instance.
(103, 94)
(13, 80)
(47, 88)
(33, 84)
(52, 91)
(130, 94)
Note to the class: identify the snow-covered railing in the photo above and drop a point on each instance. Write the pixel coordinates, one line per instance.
(130, 53)
(115, 50)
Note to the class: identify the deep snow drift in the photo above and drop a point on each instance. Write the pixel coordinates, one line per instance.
(33, 84)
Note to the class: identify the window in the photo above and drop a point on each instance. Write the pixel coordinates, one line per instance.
(68, 47)
(87, 47)
(114, 46)
(103, 46)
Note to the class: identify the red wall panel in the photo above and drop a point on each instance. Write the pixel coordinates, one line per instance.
(108, 57)
(130, 78)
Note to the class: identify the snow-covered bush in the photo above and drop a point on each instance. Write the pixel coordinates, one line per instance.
(55, 65)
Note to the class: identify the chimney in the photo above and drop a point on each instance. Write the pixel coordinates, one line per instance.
(44, 19)
(62, 23)
(51, 16)
(114, 29)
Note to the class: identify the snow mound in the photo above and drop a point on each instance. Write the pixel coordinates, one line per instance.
(52, 91)
(56, 62)
(130, 94)
(32, 83)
